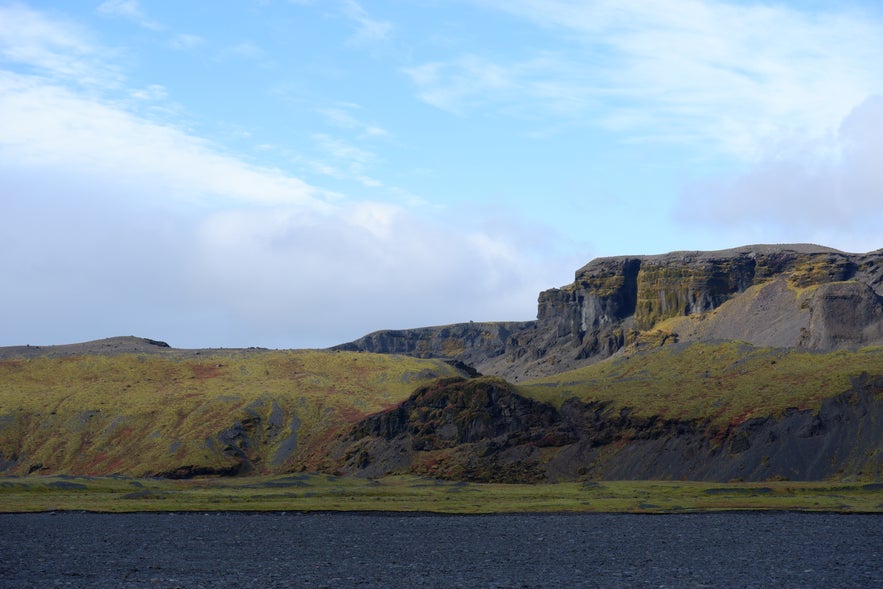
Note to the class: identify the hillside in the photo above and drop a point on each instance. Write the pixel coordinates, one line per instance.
(180, 413)
(757, 363)
(689, 411)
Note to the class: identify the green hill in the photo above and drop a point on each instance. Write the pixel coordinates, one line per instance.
(211, 413)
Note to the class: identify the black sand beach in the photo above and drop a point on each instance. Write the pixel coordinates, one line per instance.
(394, 550)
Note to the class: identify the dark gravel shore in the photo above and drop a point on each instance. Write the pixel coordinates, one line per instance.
(392, 550)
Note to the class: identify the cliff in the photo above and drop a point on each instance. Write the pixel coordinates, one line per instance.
(792, 296)
(483, 430)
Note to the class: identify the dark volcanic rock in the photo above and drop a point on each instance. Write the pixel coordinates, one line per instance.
(477, 429)
(844, 314)
(482, 430)
(843, 438)
(472, 344)
(767, 295)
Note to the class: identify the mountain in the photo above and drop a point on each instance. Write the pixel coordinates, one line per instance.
(756, 363)
(792, 296)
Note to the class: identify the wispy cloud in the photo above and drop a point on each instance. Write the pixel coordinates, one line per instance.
(129, 10)
(341, 115)
(151, 92)
(368, 29)
(467, 82)
(54, 47)
(49, 125)
(342, 150)
(350, 161)
(729, 75)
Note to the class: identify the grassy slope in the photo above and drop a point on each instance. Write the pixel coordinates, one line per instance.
(310, 492)
(141, 414)
(724, 382)
(137, 414)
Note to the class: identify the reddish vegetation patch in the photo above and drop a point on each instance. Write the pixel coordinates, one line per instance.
(350, 414)
(740, 418)
(103, 463)
(124, 433)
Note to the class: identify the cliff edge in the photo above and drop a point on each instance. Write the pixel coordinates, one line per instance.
(790, 296)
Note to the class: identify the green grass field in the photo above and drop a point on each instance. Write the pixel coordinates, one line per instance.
(319, 492)
(726, 383)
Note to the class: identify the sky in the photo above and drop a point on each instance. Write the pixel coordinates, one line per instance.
(299, 173)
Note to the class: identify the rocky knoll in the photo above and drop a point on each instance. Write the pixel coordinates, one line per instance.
(800, 296)
(482, 430)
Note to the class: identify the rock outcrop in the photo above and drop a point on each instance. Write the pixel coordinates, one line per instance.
(798, 296)
(482, 430)
(473, 344)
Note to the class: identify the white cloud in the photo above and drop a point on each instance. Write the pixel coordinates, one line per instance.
(151, 92)
(343, 150)
(54, 47)
(374, 266)
(466, 82)
(368, 29)
(116, 224)
(119, 225)
(729, 75)
(129, 10)
(799, 193)
(45, 124)
(780, 92)
(350, 161)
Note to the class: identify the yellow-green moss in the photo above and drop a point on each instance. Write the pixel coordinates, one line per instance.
(726, 383)
(816, 270)
(138, 414)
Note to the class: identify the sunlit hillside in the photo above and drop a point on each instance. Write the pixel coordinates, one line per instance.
(226, 413)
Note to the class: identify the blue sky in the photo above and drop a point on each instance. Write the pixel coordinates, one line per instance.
(297, 173)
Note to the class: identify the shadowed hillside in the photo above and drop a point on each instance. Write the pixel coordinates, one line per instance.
(700, 412)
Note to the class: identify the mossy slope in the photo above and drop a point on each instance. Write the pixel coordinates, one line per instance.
(227, 413)
(701, 412)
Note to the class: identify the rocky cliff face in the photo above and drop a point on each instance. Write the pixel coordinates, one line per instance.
(785, 296)
(473, 344)
(482, 430)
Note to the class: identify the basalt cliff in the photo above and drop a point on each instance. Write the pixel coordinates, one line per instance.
(788, 296)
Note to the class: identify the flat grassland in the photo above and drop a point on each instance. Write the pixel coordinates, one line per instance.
(320, 492)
